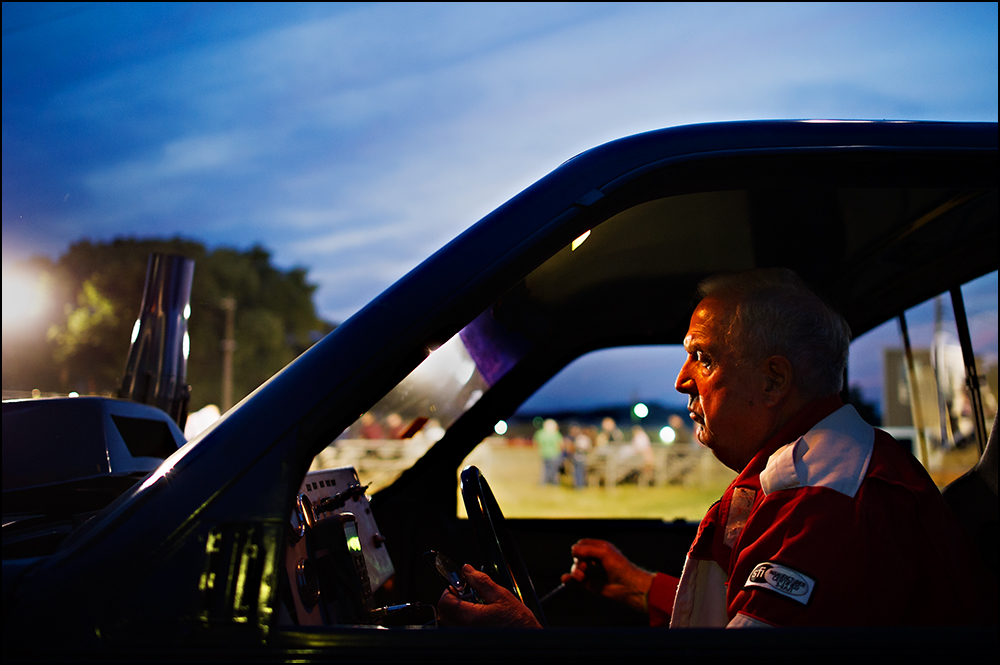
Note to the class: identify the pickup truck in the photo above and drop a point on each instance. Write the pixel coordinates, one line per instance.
(233, 549)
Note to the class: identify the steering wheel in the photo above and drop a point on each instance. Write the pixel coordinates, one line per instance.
(501, 557)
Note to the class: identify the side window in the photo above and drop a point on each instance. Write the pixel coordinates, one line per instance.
(390, 437)
(607, 437)
(918, 390)
(396, 431)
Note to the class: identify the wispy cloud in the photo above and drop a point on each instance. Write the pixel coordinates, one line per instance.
(366, 136)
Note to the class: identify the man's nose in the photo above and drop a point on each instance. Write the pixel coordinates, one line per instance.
(683, 383)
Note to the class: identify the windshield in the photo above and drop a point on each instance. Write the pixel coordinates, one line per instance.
(395, 432)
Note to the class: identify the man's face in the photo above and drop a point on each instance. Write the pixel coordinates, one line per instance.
(724, 394)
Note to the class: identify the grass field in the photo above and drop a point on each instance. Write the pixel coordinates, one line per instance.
(514, 474)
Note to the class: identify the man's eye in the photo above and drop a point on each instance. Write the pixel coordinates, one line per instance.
(702, 357)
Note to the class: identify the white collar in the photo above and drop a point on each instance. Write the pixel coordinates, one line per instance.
(835, 454)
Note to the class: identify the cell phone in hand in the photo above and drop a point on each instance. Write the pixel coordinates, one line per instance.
(453, 576)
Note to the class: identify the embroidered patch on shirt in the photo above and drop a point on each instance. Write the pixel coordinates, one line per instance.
(739, 511)
(782, 580)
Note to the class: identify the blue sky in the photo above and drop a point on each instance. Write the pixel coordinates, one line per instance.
(355, 139)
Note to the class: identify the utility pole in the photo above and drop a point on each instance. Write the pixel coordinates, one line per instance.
(228, 345)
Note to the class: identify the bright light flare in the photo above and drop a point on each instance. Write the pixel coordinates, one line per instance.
(25, 298)
(579, 241)
(668, 435)
(640, 410)
(500, 428)
(450, 360)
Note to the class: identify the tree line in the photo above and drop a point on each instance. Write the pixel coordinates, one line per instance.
(95, 291)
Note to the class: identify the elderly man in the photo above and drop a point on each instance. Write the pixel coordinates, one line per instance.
(830, 522)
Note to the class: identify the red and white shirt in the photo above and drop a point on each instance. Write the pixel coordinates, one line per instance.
(831, 523)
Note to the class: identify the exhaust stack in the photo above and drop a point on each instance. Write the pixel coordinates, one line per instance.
(156, 370)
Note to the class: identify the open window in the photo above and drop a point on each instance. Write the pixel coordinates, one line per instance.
(606, 437)
(937, 394)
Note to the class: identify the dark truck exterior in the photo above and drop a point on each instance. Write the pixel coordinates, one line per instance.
(877, 216)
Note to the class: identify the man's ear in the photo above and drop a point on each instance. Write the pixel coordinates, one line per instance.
(777, 375)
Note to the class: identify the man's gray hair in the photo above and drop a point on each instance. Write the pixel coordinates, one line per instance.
(777, 314)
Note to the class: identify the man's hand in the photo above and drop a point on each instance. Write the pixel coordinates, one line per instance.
(501, 609)
(626, 582)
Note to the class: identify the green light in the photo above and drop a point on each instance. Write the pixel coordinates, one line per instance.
(354, 544)
(640, 410)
